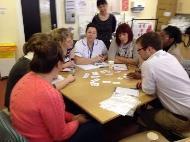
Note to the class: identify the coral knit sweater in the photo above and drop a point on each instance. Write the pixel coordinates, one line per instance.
(38, 111)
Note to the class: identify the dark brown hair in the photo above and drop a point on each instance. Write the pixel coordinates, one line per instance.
(46, 56)
(101, 2)
(124, 28)
(91, 25)
(151, 39)
(33, 41)
(174, 32)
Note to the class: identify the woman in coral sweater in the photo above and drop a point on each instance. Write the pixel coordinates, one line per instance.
(37, 108)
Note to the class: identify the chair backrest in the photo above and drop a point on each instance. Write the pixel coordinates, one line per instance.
(7, 132)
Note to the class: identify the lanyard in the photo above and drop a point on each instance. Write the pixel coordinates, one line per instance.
(90, 50)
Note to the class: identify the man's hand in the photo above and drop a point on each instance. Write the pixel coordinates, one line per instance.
(134, 75)
(139, 85)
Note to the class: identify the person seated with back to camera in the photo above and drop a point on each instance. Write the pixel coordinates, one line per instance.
(90, 50)
(21, 67)
(39, 115)
(122, 49)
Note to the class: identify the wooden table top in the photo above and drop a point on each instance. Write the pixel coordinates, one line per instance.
(88, 97)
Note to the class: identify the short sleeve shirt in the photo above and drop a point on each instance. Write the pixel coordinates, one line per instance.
(82, 50)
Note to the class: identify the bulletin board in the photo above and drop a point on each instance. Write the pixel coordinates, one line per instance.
(141, 26)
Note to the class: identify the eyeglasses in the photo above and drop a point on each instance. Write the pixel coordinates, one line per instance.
(140, 49)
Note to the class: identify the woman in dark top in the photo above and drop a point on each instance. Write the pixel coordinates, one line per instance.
(105, 22)
(21, 67)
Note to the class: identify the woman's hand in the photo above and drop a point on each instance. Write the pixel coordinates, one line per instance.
(68, 64)
(70, 78)
(81, 118)
(98, 58)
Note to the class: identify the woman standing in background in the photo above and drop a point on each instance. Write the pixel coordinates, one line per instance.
(105, 22)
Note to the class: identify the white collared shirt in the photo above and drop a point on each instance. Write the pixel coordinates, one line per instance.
(82, 50)
(164, 76)
(29, 55)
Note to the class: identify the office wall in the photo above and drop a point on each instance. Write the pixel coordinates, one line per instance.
(11, 25)
(148, 12)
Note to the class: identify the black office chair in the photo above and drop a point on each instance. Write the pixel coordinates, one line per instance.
(7, 132)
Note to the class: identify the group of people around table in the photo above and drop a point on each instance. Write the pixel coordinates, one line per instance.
(37, 108)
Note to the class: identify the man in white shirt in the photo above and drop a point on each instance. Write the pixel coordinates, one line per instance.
(164, 76)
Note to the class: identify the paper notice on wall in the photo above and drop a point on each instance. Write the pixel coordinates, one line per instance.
(139, 28)
(86, 10)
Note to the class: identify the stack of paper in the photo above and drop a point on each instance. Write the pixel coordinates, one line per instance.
(91, 66)
(123, 101)
(101, 64)
(88, 67)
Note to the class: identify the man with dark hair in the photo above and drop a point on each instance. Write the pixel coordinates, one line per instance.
(163, 76)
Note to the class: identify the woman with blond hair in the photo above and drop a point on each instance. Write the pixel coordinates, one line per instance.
(65, 39)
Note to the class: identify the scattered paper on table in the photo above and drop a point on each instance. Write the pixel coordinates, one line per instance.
(88, 67)
(121, 103)
(120, 67)
(101, 64)
(67, 69)
(127, 91)
(86, 75)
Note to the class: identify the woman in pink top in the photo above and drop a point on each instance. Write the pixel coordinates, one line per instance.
(37, 108)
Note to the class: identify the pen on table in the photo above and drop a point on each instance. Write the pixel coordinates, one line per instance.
(133, 88)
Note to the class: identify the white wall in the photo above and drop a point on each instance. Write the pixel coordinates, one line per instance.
(114, 5)
(11, 25)
(149, 11)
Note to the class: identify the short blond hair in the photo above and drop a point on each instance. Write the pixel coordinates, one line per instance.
(60, 34)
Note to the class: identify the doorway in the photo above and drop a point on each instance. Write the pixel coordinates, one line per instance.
(38, 16)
